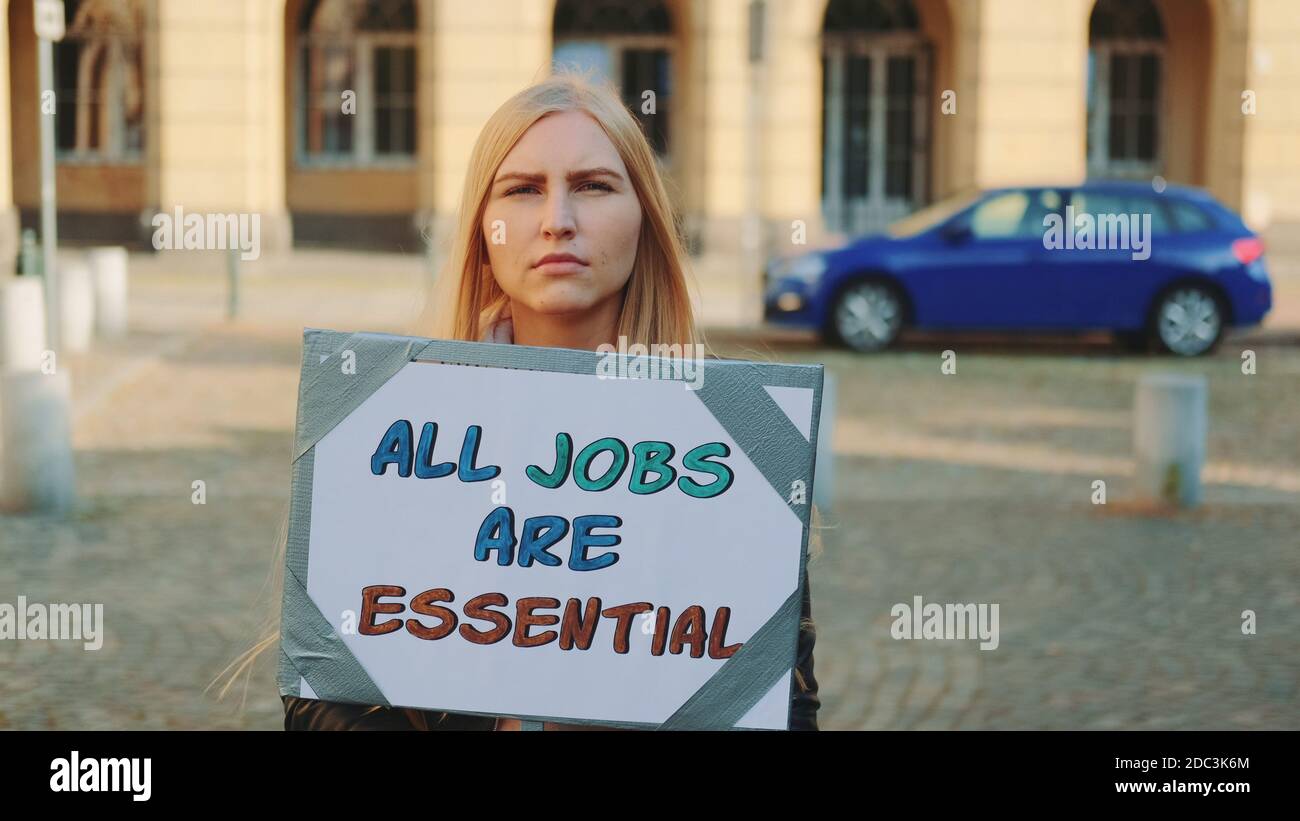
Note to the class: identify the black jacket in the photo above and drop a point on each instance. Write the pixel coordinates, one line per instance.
(311, 714)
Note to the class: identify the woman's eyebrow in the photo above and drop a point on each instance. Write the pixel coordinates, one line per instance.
(593, 172)
(519, 175)
(600, 171)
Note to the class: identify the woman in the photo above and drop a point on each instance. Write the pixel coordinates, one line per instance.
(566, 239)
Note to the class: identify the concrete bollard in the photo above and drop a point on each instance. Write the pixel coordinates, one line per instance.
(1170, 423)
(29, 255)
(824, 478)
(22, 324)
(108, 270)
(77, 301)
(35, 419)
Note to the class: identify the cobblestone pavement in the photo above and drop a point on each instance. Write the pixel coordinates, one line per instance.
(973, 487)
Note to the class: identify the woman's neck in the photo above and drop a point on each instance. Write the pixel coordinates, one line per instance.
(584, 331)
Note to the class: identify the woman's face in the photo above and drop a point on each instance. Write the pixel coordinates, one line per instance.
(562, 219)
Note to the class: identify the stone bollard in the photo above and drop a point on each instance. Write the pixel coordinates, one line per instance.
(108, 270)
(824, 478)
(77, 301)
(35, 419)
(1169, 431)
(29, 255)
(22, 323)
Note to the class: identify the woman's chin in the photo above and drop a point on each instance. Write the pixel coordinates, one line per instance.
(564, 303)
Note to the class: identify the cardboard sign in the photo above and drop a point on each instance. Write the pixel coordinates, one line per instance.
(503, 530)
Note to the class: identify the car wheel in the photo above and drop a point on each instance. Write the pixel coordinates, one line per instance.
(868, 316)
(1188, 321)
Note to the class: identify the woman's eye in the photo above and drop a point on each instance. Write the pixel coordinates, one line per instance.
(594, 184)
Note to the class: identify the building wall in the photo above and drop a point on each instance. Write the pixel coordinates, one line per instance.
(1270, 164)
(219, 136)
(1029, 121)
(473, 57)
(89, 189)
(1188, 69)
(215, 135)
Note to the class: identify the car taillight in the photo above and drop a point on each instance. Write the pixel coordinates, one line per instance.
(1247, 250)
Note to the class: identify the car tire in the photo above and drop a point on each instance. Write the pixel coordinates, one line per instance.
(1188, 320)
(867, 316)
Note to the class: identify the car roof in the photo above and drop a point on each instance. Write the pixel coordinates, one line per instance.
(1115, 186)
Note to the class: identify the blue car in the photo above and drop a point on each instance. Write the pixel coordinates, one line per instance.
(1173, 269)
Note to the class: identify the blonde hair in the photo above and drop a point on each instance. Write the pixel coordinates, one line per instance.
(656, 302)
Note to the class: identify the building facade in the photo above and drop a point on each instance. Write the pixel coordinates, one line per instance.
(350, 122)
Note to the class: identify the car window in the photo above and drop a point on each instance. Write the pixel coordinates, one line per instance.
(1156, 208)
(1000, 216)
(932, 215)
(1097, 203)
(1041, 203)
(1188, 217)
(1108, 205)
(1013, 214)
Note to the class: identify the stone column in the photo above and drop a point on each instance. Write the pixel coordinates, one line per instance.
(216, 111)
(1030, 69)
(473, 57)
(1270, 165)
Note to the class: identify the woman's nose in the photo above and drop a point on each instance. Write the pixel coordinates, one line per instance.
(558, 221)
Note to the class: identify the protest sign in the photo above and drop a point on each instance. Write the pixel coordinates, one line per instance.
(504, 530)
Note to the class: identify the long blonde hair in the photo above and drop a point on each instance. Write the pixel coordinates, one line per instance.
(656, 301)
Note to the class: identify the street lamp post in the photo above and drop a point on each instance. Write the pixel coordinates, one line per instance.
(49, 29)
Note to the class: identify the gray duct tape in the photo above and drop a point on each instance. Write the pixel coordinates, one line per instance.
(318, 653)
(763, 431)
(745, 677)
(327, 392)
(520, 357)
(287, 676)
(308, 642)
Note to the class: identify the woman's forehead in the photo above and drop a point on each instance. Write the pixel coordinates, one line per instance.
(562, 142)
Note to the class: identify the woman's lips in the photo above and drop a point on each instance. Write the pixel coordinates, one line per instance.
(560, 267)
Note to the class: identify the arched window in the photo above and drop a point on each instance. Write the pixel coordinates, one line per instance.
(875, 74)
(356, 81)
(629, 42)
(1125, 56)
(98, 81)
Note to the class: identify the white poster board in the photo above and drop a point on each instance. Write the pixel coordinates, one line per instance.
(418, 577)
